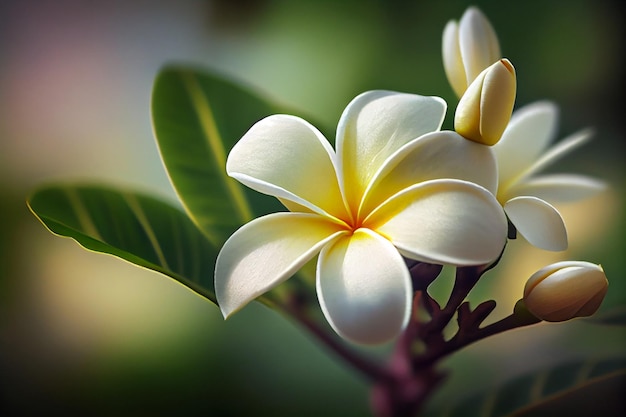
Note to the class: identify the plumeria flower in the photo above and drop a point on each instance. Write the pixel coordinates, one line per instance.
(386, 193)
(522, 152)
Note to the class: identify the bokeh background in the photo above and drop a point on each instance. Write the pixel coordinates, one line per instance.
(87, 334)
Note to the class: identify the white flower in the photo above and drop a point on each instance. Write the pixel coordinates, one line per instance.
(527, 199)
(565, 290)
(384, 194)
(468, 48)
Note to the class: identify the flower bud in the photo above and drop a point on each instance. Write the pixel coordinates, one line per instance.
(565, 290)
(485, 109)
(468, 48)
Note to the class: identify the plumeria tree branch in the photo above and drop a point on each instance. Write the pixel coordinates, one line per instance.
(470, 331)
(465, 279)
(297, 308)
(414, 370)
(403, 384)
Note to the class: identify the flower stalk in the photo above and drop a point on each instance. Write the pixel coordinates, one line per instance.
(414, 371)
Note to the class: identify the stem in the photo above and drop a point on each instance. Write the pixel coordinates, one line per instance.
(464, 337)
(365, 366)
(415, 375)
(295, 306)
(401, 387)
(371, 370)
(466, 278)
(405, 393)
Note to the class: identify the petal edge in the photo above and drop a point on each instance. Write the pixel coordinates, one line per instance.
(538, 222)
(443, 221)
(265, 252)
(364, 288)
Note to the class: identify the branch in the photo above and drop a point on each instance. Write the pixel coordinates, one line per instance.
(466, 336)
(366, 366)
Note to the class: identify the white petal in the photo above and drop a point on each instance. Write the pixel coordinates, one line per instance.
(432, 156)
(538, 222)
(265, 252)
(286, 157)
(452, 62)
(478, 43)
(364, 288)
(375, 125)
(497, 98)
(560, 188)
(559, 150)
(548, 270)
(528, 134)
(443, 222)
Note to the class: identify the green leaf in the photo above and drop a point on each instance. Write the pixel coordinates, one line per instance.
(197, 118)
(138, 228)
(536, 393)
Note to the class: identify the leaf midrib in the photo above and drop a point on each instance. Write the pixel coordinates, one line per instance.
(215, 144)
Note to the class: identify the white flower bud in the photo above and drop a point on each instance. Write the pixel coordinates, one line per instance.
(468, 48)
(485, 109)
(565, 290)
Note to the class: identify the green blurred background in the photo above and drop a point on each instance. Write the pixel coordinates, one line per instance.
(88, 334)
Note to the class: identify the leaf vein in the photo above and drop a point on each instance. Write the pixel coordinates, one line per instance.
(84, 218)
(135, 207)
(215, 144)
